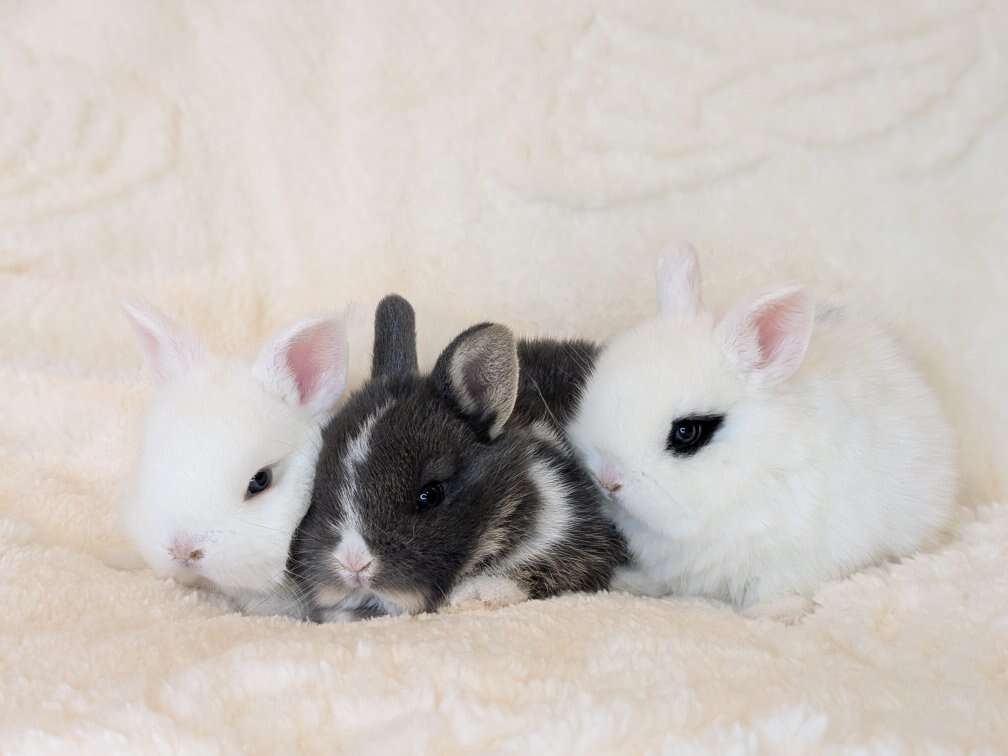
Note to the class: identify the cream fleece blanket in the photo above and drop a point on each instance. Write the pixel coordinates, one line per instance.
(242, 164)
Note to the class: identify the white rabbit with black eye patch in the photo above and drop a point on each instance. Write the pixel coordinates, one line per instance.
(229, 454)
(751, 457)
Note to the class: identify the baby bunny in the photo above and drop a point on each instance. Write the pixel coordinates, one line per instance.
(430, 489)
(229, 455)
(752, 457)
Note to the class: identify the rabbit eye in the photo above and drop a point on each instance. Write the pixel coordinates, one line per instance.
(690, 434)
(430, 495)
(259, 483)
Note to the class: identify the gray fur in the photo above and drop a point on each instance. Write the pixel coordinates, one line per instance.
(553, 376)
(428, 431)
(394, 339)
(481, 375)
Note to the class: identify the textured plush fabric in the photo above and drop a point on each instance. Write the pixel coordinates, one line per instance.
(244, 164)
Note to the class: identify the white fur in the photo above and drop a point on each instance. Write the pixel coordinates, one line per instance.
(828, 460)
(357, 454)
(211, 426)
(552, 519)
(360, 445)
(490, 591)
(248, 162)
(169, 349)
(679, 282)
(352, 556)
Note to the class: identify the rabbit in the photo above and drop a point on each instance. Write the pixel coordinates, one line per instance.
(431, 491)
(751, 457)
(229, 454)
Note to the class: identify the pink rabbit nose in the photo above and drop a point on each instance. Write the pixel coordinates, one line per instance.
(610, 485)
(184, 550)
(352, 554)
(355, 563)
(609, 477)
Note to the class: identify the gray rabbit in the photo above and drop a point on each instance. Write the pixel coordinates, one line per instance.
(455, 486)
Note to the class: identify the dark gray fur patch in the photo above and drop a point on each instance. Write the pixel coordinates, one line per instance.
(394, 351)
(488, 488)
(553, 376)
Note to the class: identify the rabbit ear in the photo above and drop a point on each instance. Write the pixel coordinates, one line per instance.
(766, 336)
(478, 371)
(307, 365)
(394, 338)
(679, 282)
(170, 350)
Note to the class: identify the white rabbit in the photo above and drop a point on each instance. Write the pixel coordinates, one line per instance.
(229, 454)
(752, 457)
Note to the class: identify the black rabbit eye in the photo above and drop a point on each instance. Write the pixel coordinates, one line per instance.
(259, 483)
(690, 434)
(687, 433)
(430, 495)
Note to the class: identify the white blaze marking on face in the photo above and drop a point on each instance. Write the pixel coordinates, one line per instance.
(552, 519)
(356, 454)
(357, 449)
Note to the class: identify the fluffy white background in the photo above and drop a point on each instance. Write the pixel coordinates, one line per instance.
(243, 164)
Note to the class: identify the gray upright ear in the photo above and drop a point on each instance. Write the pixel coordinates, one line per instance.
(478, 372)
(394, 338)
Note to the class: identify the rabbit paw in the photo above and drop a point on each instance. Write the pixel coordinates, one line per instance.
(488, 592)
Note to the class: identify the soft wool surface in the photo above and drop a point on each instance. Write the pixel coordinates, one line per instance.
(244, 164)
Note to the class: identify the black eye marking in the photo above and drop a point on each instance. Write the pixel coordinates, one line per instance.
(430, 495)
(690, 434)
(259, 483)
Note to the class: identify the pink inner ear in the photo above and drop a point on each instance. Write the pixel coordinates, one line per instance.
(303, 367)
(316, 360)
(304, 360)
(766, 336)
(780, 328)
(306, 364)
(775, 323)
